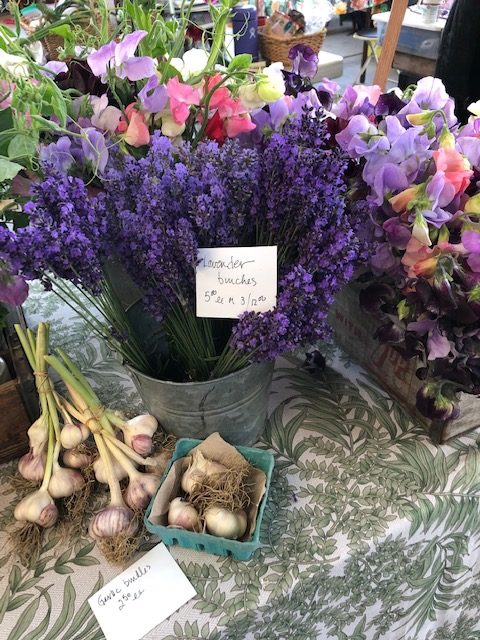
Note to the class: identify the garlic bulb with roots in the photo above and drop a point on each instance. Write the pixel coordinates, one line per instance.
(182, 514)
(198, 470)
(73, 434)
(141, 488)
(112, 521)
(76, 459)
(100, 470)
(38, 508)
(64, 482)
(31, 466)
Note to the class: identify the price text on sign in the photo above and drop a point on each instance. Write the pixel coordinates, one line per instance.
(236, 279)
(142, 596)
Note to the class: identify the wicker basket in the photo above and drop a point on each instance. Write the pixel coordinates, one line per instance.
(276, 49)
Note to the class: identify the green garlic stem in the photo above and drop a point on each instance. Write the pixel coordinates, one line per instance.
(25, 346)
(50, 457)
(113, 483)
(122, 459)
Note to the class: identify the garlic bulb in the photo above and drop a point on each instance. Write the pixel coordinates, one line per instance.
(140, 489)
(32, 466)
(37, 507)
(138, 433)
(182, 514)
(101, 473)
(38, 433)
(76, 459)
(140, 443)
(199, 469)
(73, 434)
(225, 524)
(64, 482)
(112, 521)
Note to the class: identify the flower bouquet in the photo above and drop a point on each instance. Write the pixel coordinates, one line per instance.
(145, 152)
(418, 170)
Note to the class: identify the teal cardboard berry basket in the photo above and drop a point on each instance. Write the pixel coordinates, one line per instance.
(204, 541)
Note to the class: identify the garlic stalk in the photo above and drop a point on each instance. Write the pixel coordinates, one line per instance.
(141, 486)
(117, 518)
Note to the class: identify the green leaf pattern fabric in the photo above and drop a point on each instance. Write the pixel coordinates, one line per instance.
(371, 532)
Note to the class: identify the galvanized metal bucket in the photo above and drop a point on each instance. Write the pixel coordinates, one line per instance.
(235, 405)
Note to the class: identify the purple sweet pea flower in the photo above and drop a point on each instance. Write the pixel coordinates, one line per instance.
(430, 93)
(153, 96)
(53, 68)
(398, 234)
(13, 289)
(392, 128)
(384, 177)
(95, 150)
(388, 104)
(471, 241)
(383, 260)
(438, 345)
(328, 86)
(279, 112)
(306, 101)
(304, 60)
(469, 146)
(121, 58)
(360, 138)
(58, 154)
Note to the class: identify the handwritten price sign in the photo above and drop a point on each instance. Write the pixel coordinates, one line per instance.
(142, 596)
(237, 279)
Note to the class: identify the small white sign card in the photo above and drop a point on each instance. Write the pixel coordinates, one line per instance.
(236, 279)
(141, 597)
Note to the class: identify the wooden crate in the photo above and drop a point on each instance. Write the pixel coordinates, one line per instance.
(354, 333)
(18, 397)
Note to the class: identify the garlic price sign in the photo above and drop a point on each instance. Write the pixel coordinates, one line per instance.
(141, 597)
(231, 280)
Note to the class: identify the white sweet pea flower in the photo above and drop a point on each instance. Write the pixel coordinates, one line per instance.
(271, 85)
(170, 128)
(249, 97)
(15, 65)
(192, 63)
(420, 230)
(475, 108)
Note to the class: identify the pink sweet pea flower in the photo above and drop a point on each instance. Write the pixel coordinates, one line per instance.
(13, 289)
(182, 96)
(136, 131)
(104, 116)
(455, 167)
(220, 95)
(6, 93)
(372, 92)
(236, 125)
(121, 58)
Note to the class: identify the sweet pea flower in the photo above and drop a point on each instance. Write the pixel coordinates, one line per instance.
(193, 63)
(13, 289)
(472, 205)
(14, 65)
(120, 58)
(105, 116)
(271, 85)
(153, 97)
(58, 154)
(430, 93)
(238, 124)
(248, 94)
(94, 148)
(398, 234)
(360, 138)
(401, 201)
(182, 96)
(455, 167)
(6, 93)
(170, 128)
(420, 230)
(474, 108)
(135, 131)
(438, 345)
(53, 68)
(304, 61)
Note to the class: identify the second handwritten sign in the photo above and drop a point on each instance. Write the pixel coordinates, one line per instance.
(236, 279)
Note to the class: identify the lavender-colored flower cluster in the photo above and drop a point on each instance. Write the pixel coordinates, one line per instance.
(66, 233)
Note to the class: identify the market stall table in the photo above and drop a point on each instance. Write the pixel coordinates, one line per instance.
(418, 44)
(370, 530)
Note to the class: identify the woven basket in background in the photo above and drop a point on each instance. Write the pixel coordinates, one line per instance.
(276, 49)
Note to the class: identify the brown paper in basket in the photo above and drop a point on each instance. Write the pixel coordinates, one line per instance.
(216, 449)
